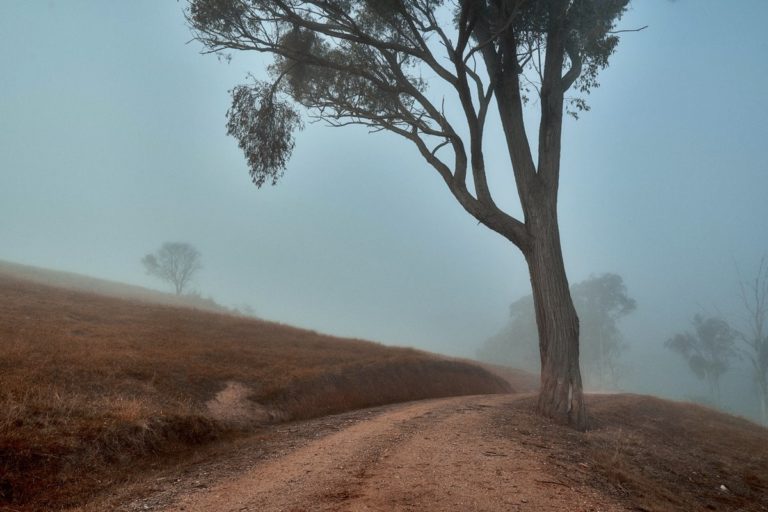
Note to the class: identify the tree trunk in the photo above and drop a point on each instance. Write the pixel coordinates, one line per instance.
(601, 357)
(713, 388)
(560, 396)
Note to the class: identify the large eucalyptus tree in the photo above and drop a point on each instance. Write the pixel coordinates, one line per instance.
(364, 61)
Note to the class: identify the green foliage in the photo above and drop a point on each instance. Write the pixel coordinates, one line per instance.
(591, 23)
(221, 16)
(590, 41)
(263, 125)
(363, 61)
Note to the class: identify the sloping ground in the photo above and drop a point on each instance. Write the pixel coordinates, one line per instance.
(480, 453)
(96, 382)
(667, 455)
(521, 381)
(651, 454)
(107, 288)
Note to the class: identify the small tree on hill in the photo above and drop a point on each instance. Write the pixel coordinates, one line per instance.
(366, 62)
(708, 350)
(175, 263)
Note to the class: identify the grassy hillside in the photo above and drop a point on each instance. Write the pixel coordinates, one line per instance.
(89, 284)
(98, 382)
(653, 455)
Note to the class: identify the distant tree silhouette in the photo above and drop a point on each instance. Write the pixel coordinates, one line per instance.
(708, 350)
(516, 344)
(601, 302)
(754, 296)
(175, 263)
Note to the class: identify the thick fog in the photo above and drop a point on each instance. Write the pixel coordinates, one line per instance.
(112, 141)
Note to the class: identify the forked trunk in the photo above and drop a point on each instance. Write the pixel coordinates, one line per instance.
(561, 396)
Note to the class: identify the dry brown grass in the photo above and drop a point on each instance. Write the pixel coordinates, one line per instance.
(90, 383)
(678, 456)
(652, 454)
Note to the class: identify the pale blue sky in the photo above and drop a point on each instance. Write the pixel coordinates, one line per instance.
(112, 141)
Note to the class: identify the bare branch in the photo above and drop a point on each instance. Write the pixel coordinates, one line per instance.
(628, 30)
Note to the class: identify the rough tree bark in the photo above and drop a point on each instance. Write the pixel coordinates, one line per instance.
(561, 393)
(560, 396)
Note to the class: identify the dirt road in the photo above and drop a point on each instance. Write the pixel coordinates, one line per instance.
(439, 455)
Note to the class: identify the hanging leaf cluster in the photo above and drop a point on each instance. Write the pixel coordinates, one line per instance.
(263, 124)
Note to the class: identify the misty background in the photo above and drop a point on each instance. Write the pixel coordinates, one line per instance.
(112, 141)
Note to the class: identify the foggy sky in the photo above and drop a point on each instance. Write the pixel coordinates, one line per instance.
(112, 141)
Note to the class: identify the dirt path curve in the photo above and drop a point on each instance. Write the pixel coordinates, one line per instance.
(440, 455)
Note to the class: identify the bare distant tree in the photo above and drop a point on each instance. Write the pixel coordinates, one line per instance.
(754, 296)
(371, 63)
(708, 350)
(174, 262)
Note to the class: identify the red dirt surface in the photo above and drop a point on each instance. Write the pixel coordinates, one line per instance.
(482, 453)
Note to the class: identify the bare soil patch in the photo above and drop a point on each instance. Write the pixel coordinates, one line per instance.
(233, 405)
